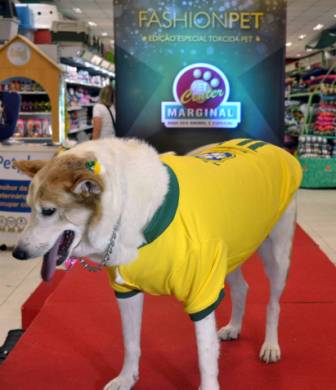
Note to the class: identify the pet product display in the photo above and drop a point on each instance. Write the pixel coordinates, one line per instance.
(314, 146)
(325, 123)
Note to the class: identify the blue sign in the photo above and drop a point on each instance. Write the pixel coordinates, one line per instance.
(13, 194)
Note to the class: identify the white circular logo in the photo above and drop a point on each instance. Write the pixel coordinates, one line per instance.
(18, 53)
(201, 85)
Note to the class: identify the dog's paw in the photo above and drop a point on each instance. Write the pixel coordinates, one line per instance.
(120, 383)
(213, 386)
(228, 332)
(270, 353)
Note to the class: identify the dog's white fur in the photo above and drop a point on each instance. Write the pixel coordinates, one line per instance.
(135, 185)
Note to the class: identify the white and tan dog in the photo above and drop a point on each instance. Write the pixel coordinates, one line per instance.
(83, 195)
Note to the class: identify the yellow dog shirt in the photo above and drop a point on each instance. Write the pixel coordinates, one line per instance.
(220, 207)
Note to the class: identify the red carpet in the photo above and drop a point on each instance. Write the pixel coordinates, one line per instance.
(75, 341)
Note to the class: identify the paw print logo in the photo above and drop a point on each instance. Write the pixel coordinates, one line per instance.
(11, 224)
(21, 223)
(201, 86)
(3, 223)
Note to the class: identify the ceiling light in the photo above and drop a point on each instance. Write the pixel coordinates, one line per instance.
(104, 34)
(309, 50)
(112, 41)
(92, 23)
(77, 10)
(318, 27)
(298, 55)
(302, 36)
(289, 44)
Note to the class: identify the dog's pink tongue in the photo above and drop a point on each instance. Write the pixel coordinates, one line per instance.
(50, 261)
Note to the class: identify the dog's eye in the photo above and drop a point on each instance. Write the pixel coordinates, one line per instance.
(48, 211)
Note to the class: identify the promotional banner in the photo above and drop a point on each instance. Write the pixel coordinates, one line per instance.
(14, 211)
(196, 72)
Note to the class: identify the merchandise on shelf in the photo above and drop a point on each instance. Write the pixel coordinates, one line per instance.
(83, 77)
(32, 106)
(33, 128)
(294, 117)
(79, 96)
(329, 89)
(333, 153)
(325, 122)
(79, 120)
(70, 31)
(9, 23)
(34, 117)
(311, 146)
(22, 85)
(43, 15)
(316, 79)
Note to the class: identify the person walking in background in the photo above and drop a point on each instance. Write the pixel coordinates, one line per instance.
(104, 125)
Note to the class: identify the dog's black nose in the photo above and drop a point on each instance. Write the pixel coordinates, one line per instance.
(20, 253)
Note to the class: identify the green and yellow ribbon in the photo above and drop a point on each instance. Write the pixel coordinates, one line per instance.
(94, 166)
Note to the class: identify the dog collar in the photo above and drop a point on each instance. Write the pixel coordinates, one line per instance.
(166, 212)
(107, 255)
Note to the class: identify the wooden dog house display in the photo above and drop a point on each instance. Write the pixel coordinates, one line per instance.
(21, 59)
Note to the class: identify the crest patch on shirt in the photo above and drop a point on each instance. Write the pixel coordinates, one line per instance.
(216, 157)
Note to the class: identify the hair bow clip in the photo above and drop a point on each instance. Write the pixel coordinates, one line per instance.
(94, 166)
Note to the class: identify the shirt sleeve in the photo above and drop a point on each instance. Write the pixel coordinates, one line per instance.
(207, 288)
(98, 110)
(120, 290)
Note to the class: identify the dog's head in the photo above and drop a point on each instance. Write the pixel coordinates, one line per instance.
(64, 196)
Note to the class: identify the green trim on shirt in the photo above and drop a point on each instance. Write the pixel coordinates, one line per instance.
(257, 145)
(166, 213)
(205, 312)
(245, 142)
(124, 295)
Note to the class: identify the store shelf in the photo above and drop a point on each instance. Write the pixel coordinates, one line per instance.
(70, 82)
(83, 128)
(33, 113)
(296, 135)
(320, 135)
(71, 109)
(78, 108)
(33, 139)
(31, 92)
(328, 97)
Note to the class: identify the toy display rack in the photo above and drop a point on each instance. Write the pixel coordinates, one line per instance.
(319, 172)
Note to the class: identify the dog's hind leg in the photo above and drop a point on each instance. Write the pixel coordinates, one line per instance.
(238, 289)
(275, 252)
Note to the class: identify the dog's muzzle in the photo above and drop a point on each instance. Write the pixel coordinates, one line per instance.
(20, 253)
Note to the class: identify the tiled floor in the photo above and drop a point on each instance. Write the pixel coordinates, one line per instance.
(316, 214)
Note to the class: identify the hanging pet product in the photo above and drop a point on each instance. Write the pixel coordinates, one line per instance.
(9, 23)
(9, 113)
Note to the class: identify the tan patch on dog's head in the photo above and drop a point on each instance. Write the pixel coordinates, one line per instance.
(66, 182)
(30, 167)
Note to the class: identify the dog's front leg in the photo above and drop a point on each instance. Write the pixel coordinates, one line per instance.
(131, 315)
(208, 352)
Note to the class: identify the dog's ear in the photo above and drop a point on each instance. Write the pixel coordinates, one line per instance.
(29, 167)
(87, 186)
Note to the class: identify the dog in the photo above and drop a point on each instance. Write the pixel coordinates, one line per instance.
(175, 225)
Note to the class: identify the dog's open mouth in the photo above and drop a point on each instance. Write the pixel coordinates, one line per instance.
(57, 254)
